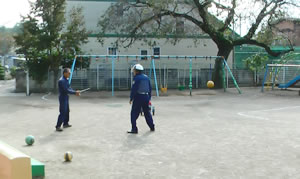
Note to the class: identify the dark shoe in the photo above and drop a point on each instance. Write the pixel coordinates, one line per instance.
(152, 129)
(68, 125)
(58, 129)
(132, 132)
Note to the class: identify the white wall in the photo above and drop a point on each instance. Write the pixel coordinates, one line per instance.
(93, 10)
(186, 47)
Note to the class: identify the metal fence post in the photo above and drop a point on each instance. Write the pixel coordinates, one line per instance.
(274, 78)
(265, 76)
(72, 69)
(131, 77)
(223, 74)
(284, 74)
(155, 79)
(112, 76)
(98, 76)
(150, 72)
(27, 83)
(197, 76)
(227, 78)
(191, 75)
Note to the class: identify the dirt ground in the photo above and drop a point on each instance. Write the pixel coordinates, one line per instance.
(210, 135)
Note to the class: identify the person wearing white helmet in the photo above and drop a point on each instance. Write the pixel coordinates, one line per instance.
(137, 67)
(139, 98)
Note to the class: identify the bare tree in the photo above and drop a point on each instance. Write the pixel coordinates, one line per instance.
(215, 18)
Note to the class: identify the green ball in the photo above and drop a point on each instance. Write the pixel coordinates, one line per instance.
(29, 140)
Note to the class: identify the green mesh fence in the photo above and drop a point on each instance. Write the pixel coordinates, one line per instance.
(241, 53)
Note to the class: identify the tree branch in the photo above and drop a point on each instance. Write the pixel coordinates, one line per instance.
(229, 17)
(266, 47)
(158, 16)
(201, 11)
(262, 15)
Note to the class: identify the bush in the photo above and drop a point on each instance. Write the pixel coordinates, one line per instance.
(13, 72)
(2, 73)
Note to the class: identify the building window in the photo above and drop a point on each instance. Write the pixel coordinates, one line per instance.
(111, 51)
(179, 27)
(144, 52)
(156, 52)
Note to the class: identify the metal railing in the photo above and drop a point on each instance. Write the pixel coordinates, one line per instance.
(166, 71)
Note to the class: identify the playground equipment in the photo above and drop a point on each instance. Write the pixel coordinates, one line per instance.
(133, 59)
(283, 72)
(210, 84)
(164, 88)
(281, 75)
(16, 165)
(290, 83)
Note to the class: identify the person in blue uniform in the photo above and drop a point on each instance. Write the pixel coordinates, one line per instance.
(64, 90)
(139, 98)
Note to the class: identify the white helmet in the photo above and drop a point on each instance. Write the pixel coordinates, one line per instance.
(138, 67)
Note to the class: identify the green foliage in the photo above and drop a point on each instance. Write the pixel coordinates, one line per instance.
(256, 63)
(2, 73)
(6, 41)
(38, 68)
(266, 36)
(288, 57)
(13, 72)
(43, 39)
(81, 62)
(76, 33)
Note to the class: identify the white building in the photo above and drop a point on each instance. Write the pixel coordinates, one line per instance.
(93, 9)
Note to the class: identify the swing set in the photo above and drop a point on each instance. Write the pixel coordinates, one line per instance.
(164, 85)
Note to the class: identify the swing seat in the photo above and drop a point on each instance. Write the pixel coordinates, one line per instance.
(181, 88)
(163, 90)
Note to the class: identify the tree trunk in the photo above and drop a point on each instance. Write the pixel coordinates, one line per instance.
(218, 72)
(55, 80)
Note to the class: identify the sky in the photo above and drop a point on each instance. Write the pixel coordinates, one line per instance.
(10, 11)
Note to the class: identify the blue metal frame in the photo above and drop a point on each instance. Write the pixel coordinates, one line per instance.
(274, 77)
(234, 80)
(72, 69)
(152, 66)
(155, 79)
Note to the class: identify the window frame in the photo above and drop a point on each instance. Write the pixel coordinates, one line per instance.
(159, 51)
(144, 58)
(112, 48)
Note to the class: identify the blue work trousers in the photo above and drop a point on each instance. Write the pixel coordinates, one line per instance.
(64, 111)
(141, 101)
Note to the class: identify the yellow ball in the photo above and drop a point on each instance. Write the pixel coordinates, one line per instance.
(210, 84)
(68, 156)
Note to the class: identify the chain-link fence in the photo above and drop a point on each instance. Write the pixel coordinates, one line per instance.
(172, 73)
(107, 73)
